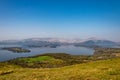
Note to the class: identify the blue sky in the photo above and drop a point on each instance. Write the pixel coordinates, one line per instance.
(20, 19)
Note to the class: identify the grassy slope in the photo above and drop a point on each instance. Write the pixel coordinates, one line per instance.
(99, 70)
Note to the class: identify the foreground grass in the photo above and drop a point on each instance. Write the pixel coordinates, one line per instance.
(98, 70)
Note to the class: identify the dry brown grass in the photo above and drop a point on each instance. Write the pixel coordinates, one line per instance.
(99, 70)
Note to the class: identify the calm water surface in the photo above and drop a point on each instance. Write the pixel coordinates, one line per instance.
(7, 55)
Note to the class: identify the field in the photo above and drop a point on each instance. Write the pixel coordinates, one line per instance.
(51, 60)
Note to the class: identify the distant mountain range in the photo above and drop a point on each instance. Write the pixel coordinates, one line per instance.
(61, 40)
(98, 43)
(53, 42)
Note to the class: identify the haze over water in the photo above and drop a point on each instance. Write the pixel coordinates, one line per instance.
(21, 19)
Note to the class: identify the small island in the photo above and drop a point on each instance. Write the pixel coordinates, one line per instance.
(16, 49)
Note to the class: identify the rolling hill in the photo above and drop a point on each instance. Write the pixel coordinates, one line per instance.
(98, 70)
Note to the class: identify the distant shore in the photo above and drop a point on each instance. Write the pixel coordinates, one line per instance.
(16, 49)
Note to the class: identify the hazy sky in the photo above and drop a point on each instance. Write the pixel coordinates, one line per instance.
(20, 19)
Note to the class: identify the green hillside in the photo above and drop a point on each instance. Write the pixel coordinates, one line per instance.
(98, 70)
